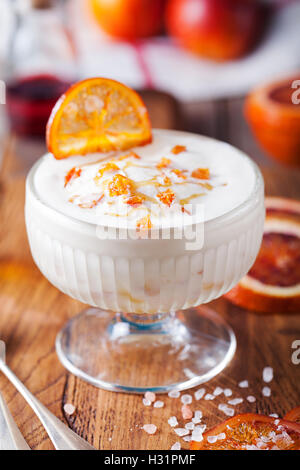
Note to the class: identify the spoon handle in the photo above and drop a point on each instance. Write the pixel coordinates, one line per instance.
(10, 436)
(62, 437)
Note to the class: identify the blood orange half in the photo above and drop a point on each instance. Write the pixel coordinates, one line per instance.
(273, 282)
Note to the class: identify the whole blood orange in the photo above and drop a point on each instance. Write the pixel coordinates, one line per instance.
(129, 19)
(273, 282)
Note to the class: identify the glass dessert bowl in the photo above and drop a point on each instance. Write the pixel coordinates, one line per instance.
(144, 273)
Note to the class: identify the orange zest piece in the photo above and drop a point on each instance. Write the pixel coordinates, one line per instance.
(120, 185)
(144, 223)
(201, 173)
(129, 155)
(73, 173)
(92, 204)
(167, 197)
(251, 432)
(178, 149)
(107, 167)
(135, 200)
(167, 181)
(164, 162)
(179, 173)
(97, 115)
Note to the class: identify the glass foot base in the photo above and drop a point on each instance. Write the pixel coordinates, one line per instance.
(136, 353)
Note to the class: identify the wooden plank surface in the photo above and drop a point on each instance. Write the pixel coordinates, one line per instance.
(32, 312)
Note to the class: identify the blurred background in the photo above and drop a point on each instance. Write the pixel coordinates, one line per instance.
(194, 62)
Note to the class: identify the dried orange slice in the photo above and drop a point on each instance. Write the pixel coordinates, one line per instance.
(273, 282)
(293, 415)
(251, 432)
(97, 115)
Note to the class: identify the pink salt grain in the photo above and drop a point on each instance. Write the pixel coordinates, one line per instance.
(69, 409)
(150, 428)
(150, 396)
(186, 412)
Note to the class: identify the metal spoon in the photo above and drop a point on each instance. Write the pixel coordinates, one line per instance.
(62, 437)
(10, 436)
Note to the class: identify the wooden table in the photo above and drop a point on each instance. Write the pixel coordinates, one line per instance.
(32, 311)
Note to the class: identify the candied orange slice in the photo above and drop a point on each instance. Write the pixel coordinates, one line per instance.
(251, 432)
(167, 197)
(273, 282)
(201, 173)
(73, 173)
(120, 185)
(178, 149)
(97, 115)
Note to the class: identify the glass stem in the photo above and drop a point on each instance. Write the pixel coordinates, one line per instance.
(144, 321)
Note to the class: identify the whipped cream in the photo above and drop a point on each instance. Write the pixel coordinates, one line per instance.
(154, 185)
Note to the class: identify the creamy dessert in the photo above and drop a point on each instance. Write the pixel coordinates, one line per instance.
(148, 186)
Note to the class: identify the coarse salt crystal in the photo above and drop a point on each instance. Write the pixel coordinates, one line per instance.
(197, 416)
(186, 412)
(150, 396)
(227, 392)
(187, 438)
(226, 409)
(190, 426)
(150, 428)
(197, 435)
(174, 394)
(217, 391)
(266, 391)
(235, 401)
(158, 404)
(173, 421)
(146, 402)
(251, 399)
(186, 399)
(212, 439)
(274, 415)
(267, 374)
(176, 446)
(244, 384)
(221, 436)
(181, 431)
(209, 396)
(201, 428)
(69, 409)
(276, 422)
(199, 394)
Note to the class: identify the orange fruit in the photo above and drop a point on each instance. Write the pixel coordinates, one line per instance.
(97, 115)
(129, 19)
(251, 431)
(273, 282)
(273, 113)
(293, 415)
